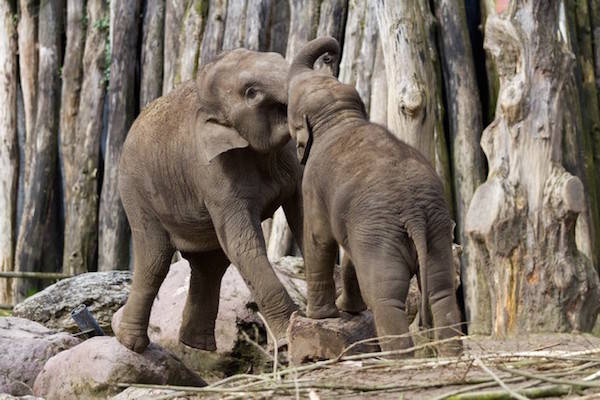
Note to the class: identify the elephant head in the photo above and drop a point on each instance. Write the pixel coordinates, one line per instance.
(243, 98)
(316, 99)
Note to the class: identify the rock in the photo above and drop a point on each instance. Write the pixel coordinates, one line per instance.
(133, 393)
(4, 396)
(322, 339)
(237, 314)
(102, 292)
(92, 369)
(26, 346)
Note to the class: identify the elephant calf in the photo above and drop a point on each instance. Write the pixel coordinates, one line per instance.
(375, 196)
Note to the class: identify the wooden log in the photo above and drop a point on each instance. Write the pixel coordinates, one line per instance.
(522, 219)
(279, 21)
(465, 125)
(190, 39)
(415, 110)
(379, 89)
(113, 226)
(39, 194)
(212, 39)
(280, 238)
(81, 217)
(323, 339)
(233, 36)
(174, 12)
(9, 161)
(28, 70)
(257, 24)
(360, 47)
(152, 51)
(303, 25)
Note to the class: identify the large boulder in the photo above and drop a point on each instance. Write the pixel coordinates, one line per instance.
(102, 292)
(93, 369)
(25, 346)
(236, 321)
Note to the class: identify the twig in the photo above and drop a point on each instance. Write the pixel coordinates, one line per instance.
(576, 383)
(491, 373)
(275, 346)
(478, 386)
(258, 346)
(533, 393)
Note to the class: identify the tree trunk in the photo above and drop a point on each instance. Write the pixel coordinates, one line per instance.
(360, 47)
(40, 191)
(190, 39)
(174, 13)
(28, 70)
(81, 221)
(257, 23)
(280, 24)
(522, 219)
(114, 229)
(233, 36)
(152, 51)
(465, 126)
(332, 21)
(379, 89)
(9, 162)
(414, 102)
(280, 239)
(212, 40)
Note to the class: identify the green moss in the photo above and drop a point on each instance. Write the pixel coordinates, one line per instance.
(103, 24)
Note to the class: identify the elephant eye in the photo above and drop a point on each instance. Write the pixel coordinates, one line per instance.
(251, 93)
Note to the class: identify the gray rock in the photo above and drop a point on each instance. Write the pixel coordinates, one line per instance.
(4, 396)
(26, 346)
(102, 292)
(133, 393)
(92, 370)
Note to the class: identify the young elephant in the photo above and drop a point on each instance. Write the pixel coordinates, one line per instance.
(201, 167)
(375, 196)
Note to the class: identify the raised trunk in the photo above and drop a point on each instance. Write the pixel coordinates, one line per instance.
(40, 190)
(9, 162)
(81, 219)
(415, 111)
(212, 40)
(465, 126)
(152, 51)
(113, 227)
(28, 70)
(332, 22)
(522, 219)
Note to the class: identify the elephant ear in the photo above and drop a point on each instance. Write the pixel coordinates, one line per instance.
(215, 137)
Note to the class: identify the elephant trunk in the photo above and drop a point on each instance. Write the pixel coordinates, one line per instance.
(311, 51)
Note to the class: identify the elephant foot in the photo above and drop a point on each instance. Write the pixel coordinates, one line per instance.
(198, 341)
(322, 312)
(133, 337)
(451, 349)
(352, 306)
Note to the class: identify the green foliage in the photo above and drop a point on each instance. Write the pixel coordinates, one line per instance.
(31, 292)
(5, 313)
(103, 24)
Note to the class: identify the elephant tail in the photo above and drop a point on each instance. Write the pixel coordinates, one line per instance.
(417, 232)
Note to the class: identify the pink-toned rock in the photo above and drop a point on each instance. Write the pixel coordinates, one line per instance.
(92, 370)
(322, 339)
(25, 346)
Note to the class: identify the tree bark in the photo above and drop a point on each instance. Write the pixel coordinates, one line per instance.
(522, 219)
(190, 39)
(415, 111)
(212, 40)
(233, 36)
(174, 12)
(9, 162)
(379, 89)
(257, 24)
(81, 219)
(28, 70)
(360, 47)
(152, 51)
(39, 193)
(465, 126)
(114, 230)
(279, 26)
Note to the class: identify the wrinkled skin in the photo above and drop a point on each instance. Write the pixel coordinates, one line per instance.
(375, 196)
(200, 169)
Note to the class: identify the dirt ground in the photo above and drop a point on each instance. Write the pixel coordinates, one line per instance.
(556, 365)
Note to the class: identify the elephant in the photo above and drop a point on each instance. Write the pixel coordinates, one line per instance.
(375, 196)
(200, 168)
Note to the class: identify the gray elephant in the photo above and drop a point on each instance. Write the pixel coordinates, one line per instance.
(199, 171)
(375, 196)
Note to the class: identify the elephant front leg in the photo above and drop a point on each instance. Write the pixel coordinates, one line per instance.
(351, 299)
(202, 305)
(320, 249)
(242, 240)
(152, 255)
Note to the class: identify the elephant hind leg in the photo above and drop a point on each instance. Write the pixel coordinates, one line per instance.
(202, 305)
(351, 299)
(442, 297)
(384, 280)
